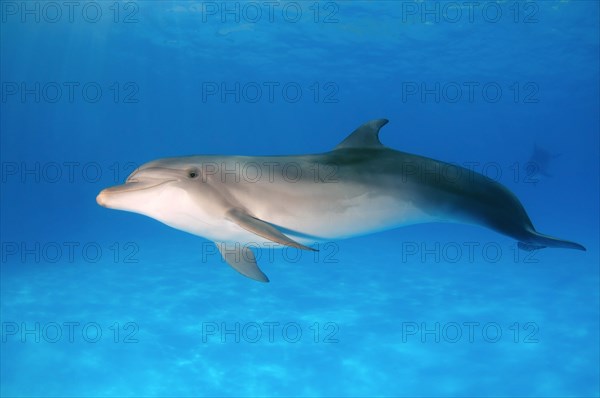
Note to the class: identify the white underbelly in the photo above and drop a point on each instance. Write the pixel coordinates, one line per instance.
(306, 216)
(356, 216)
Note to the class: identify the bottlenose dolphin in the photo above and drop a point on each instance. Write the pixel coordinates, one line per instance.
(359, 187)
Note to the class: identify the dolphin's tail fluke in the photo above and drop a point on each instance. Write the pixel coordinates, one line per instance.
(536, 241)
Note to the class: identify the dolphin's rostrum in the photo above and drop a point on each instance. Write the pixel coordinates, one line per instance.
(359, 187)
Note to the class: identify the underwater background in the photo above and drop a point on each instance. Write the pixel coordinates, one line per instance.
(96, 302)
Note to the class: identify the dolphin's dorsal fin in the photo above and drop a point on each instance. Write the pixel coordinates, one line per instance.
(366, 136)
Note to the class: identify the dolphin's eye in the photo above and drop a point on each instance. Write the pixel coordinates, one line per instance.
(192, 174)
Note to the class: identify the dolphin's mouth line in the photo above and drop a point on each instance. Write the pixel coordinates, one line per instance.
(123, 188)
(154, 186)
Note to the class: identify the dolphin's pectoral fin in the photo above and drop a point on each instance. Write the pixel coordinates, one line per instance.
(261, 228)
(365, 136)
(242, 260)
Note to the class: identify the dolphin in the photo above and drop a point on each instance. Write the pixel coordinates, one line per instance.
(359, 187)
(540, 162)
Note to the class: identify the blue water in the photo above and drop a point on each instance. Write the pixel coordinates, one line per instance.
(97, 302)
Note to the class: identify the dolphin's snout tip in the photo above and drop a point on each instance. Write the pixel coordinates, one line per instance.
(101, 199)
